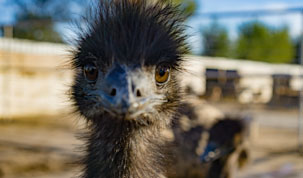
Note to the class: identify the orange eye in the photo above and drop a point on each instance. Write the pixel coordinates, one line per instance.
(162, 74)
(90, 72)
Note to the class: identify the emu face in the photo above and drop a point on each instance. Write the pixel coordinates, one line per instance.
(127, 63)
(125, 91)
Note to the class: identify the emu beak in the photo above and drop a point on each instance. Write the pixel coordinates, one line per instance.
(214, 151)
(125, 92)
(211, 153)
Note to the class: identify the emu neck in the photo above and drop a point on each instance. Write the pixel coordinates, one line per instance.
(121, 150)
(217, 169)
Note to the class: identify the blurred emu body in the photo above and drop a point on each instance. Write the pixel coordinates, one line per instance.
(208, 146)
(126, 86)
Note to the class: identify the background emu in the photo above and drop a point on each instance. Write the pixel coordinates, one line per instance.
(126, 86)
(208, 146)
(225, 150)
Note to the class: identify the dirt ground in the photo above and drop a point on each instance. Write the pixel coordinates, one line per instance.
(38, 147)
(46, 147)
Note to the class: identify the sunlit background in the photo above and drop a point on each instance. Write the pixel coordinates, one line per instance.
(247, 61)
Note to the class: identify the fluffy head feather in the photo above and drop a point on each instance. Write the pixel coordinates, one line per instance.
(138, 32)
(132, 37)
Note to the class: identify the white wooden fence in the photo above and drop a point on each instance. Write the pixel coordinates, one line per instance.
(33, 78)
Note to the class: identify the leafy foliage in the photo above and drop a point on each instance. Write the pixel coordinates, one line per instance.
(37, 28)
(36, 18)
(215, 41)
(256, 41)
(259, 42)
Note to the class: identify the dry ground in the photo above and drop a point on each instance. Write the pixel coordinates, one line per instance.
(45, 147)
(38, 147)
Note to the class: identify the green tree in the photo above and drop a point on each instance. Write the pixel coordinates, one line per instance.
(259, 42)
(36, 19)
(37, 28)
(187, 6)
(215, 41)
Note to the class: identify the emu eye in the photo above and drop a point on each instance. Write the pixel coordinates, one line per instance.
(162, 73)
(90, 72)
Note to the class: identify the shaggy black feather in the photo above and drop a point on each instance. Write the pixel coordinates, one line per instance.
(132, 31)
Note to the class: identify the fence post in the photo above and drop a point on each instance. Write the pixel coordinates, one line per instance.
(300, 119)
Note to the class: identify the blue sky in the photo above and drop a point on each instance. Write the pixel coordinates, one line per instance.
(7, 12)
(292, 21)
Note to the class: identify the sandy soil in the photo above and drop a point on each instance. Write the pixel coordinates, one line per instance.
(38, 147)
(46, 147)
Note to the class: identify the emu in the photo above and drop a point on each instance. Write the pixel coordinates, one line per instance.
(225, 150)
(208, 146)
(125, 86)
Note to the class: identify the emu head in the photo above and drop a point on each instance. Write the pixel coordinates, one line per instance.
(224, 138)
(127, 62)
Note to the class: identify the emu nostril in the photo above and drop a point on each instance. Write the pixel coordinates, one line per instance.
(138, 93)
(113, 92)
